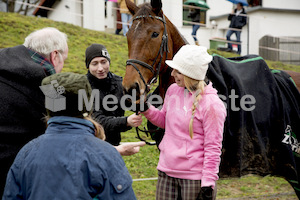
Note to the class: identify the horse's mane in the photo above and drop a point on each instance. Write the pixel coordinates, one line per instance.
(145, 10)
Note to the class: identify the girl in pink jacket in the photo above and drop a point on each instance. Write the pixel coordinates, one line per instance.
(193, 117)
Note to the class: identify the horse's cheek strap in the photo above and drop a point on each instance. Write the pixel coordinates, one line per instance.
(132, 64)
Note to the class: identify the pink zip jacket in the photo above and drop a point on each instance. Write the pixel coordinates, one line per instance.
(183, 157)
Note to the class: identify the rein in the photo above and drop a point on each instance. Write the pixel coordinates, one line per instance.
(163, 48)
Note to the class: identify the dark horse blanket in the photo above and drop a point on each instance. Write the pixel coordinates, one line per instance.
(262, 128)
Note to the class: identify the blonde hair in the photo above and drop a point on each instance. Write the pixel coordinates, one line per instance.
(99, 131)
(197, 88)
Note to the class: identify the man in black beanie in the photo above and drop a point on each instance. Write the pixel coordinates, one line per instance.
(113, 120)
(96, 50)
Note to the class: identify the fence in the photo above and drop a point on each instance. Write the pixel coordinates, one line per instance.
(283, 49)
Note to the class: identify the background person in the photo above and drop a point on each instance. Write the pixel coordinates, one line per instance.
(119, 20)
(237, 21)
(195, 15)
(98, 64)
(68, 161)
(125, 16)
(193, 117)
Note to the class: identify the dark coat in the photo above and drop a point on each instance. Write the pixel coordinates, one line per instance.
(237, 21)
(195, 15)
(21, 104)
(68, 162)
(113, 122)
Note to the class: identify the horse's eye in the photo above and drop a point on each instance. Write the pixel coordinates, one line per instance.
(155, 35)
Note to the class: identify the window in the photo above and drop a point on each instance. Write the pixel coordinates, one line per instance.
(186, 10)
(253, 3)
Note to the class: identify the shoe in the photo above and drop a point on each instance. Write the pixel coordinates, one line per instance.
(197, 43)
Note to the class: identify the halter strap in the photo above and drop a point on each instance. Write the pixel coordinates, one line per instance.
(155, 17)
(142, 63)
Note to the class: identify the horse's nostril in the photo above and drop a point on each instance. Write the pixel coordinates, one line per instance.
(133, 91)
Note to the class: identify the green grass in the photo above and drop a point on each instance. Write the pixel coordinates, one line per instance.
(14, 28)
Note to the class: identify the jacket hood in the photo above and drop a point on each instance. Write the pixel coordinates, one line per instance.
(16, 62)
(209, 89)
(19, 71)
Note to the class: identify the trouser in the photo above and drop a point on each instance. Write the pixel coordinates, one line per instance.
(238, 39)
(194, 32)
(125, 20)
(169, 188)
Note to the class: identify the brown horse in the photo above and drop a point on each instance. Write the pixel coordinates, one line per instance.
(152, 39)
(145, 41)
(145, 44)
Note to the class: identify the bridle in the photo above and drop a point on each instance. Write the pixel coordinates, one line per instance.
(163, 48)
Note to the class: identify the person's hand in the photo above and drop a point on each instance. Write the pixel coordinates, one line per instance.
(134, 120)
(135, 107)
(129, 148)
(206, 193)
(139, 107)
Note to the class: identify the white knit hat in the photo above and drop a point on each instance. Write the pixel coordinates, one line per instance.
(191, 61)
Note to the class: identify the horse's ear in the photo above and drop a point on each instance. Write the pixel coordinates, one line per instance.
(131, 6)
(156, 6)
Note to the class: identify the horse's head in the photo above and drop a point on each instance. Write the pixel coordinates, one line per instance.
(147, 45)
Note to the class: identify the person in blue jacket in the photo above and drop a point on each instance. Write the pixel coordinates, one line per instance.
(68, 161)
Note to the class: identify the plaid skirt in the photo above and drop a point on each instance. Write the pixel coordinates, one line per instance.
(169, 188)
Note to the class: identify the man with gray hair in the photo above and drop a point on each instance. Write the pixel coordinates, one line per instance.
(22, 108)
(22, 69)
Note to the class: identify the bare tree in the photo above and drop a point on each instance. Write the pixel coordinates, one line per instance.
(23, 6)
(26, 5)
(10, 5)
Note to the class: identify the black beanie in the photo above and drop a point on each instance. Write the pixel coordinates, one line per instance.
(69, 83)
(95, 50)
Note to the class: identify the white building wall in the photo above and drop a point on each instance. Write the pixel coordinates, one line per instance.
(203, 35)
(68, 11)
(274, 24)
(289, 4)
(111, 17)
(93, 15)
(173, 10)
(218, 7)
(3, 7)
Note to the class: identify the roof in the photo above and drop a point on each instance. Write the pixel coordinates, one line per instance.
(259, 8)
(40, 10)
